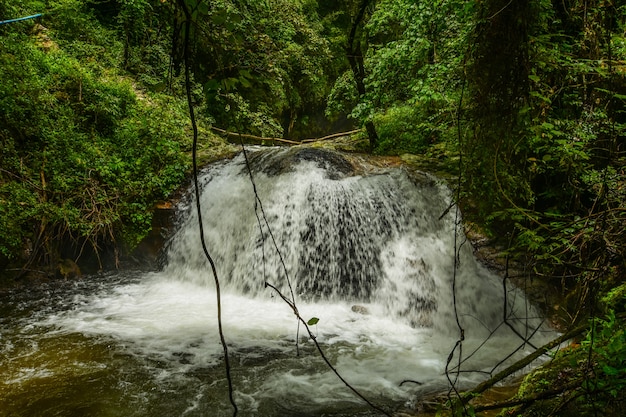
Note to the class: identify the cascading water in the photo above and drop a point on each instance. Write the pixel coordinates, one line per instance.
(367, 251)
(378, 238)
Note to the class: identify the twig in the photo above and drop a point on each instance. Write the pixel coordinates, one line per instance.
(500, 11)
(411, 381)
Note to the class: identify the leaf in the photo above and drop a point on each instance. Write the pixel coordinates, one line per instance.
(245, 82)
(610, 370)
(211, 86)
(203, 8)
(312, 321)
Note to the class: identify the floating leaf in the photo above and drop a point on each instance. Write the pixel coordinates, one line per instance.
(313, 321)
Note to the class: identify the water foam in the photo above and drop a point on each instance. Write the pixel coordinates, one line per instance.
(371, 256)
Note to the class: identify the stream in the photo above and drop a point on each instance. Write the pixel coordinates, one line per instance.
(367, 251)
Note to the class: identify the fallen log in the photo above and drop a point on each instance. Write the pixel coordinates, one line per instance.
(482, 387)
(282, 140)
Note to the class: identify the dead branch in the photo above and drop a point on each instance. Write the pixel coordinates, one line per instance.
(287, 141)
(334, 135)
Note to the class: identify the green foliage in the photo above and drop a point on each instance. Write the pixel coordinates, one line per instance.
(313, 321)
(545, 158)
(531, 94)
(412, 65)
(85, 154)
(615, 298)
(547, 121)
(145, 29)
(608, 346)
(343, 97)
(400, 131)
(17, 204)
(583, 378)
(265, 66)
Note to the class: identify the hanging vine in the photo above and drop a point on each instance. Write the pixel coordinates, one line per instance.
(187, 30)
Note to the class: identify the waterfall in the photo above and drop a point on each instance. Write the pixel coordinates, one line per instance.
(358, 234)
(369, 251)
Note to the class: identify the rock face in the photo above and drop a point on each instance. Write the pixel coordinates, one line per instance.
(149, 251)
(360, 309)
(68, 269)
(280, 162)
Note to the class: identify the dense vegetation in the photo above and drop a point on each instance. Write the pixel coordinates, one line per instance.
(524, 100)
(86, 148)
(544, 162)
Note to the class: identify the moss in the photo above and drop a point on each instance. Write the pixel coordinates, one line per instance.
(575, 383)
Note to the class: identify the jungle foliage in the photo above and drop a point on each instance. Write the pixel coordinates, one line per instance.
(545, 162)
(524, 100)
(266, 67)
(86, 149)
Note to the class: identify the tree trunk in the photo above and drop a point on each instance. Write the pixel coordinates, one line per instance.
(355, 57)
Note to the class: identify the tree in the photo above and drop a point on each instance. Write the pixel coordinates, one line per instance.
(544, 164)
(355, 57)
(415, 60)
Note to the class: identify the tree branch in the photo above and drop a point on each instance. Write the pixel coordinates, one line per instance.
(480, 388)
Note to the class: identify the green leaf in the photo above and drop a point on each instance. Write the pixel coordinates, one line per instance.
(203, 8)
(313, 321)
(212, 86)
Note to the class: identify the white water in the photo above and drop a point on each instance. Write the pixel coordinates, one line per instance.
(374, 244)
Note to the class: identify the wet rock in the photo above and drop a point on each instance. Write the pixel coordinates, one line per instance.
(68, 269)
(279, 161)
(360, 309)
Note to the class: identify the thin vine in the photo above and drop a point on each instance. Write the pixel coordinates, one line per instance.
(258, 206)
(187, 27)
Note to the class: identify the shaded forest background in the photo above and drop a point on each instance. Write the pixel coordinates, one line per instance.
(523, 102)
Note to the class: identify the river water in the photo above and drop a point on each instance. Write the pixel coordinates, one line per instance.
(369, 252)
